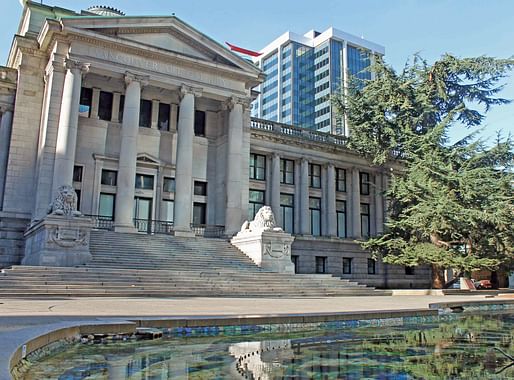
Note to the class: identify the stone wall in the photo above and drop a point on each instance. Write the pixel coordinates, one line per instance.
(386, 276)
(12, 244)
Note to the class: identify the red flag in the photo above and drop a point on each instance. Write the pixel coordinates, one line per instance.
(243, 51)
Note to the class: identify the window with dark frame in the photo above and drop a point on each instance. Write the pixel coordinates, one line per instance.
(347, 265)
(287, 212)
(315, 176)
(365, 220)
(105, 106)
(199, 123)
(86, 98)
(364, 183)
(109, 177)
(340, 180)
(257, 167)
(145, 113)
(78, 192)
(144, 182)
(77, 173)
(255, 202)
(341, 218)
(199, 213)
(321, 264)
(200, 188)
(372, 266)
(286, 171)
(315, 214)
(163, 121)
(106, 205)
(168, 185)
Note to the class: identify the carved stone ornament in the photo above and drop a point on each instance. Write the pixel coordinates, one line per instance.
(68, 237)
(65, 202)
(264, 221)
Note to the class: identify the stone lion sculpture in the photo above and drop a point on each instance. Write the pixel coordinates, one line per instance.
(264, 221)
(65, 203)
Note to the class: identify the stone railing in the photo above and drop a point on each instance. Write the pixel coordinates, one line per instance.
(302, 133)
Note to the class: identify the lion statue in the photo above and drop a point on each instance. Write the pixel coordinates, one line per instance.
(264, 221)
(65, 202)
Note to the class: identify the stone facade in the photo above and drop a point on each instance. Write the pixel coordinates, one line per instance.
(148, 119)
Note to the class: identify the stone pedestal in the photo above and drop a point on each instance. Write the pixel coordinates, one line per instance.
(58, 240)
(270, 250)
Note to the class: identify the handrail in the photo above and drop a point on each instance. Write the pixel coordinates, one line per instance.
(152, 226)
(208, 230)
(102, 222)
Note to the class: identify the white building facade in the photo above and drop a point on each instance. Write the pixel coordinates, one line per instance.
(149, 121)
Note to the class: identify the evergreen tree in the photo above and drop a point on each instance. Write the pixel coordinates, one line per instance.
(450, 205)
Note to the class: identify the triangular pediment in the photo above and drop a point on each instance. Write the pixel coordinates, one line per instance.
(166, 34)
(147, 159)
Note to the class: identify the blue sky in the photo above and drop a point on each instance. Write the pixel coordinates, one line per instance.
(404, 27)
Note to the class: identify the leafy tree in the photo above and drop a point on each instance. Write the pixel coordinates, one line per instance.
(451, 205)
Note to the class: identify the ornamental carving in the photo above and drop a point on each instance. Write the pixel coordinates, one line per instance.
(65, 202)
(264, 221)
(68, 237)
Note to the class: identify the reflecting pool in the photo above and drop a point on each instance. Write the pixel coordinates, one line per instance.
(463, 346)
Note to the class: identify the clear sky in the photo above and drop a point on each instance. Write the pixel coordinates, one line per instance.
(404, 27)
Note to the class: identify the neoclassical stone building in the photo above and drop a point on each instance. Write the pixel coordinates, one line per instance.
(148, 119)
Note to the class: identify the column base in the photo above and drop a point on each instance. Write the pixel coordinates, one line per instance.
(183, 233)
(125, 229)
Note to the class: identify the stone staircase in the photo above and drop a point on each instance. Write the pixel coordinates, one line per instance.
(132, 265)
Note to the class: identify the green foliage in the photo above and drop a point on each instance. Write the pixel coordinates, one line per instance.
(450, 205)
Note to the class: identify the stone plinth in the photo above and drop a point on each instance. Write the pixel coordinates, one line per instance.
(270, 250)
(58, 240)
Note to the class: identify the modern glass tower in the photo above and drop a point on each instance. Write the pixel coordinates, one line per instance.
(303, 71)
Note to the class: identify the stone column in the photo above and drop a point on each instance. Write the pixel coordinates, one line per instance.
(68, 125)
(305, 221)
(379, 204)
(5, 138)
(356, 204)
(234, 209)
(173, 117)
(184, 166)
(115, 114)
(275, 188)
(331, 201)
(123, 218)
(95, 102)
(155, 114)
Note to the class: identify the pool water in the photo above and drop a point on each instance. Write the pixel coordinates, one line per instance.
(473, 346)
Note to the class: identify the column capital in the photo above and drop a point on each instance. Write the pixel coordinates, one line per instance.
(275, 155)
(304, 160)
(330, 165)
(131, 77)
(71, 64)
(233, 100)
(195, 91)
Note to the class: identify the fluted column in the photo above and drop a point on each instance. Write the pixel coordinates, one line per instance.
(331, 201)
(356, 204)
(184, 167)
(275, 188)
(68, 124)
(305, 222)
(5, 138)
(128, 153)
(234, 209)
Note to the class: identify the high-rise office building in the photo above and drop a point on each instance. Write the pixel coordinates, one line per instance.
(303, 71)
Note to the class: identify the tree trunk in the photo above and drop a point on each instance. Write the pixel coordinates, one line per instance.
(437, 277)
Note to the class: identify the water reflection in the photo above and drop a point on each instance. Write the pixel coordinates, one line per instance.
(472, 347)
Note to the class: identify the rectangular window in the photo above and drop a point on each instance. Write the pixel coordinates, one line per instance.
(409, 271)
(199, 213)
(315, 175)
(199, 123)
(78, 192)
(163, 121)
(295, 259)
(315, 213)
(200, 188)
(341, 218)
(168, 210)
(145, 113)
(144, 182)
(86, 98)
(255, 202)
(168, 185)
(257, 166)
(341, 180)
(321, 264)
(105, 106)
(372, 266)
(287, 171)
(347, 265)
(287, 212)
(365, 220)
(364, 183)
(77, 174)
(109, 177)
(106, 205)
